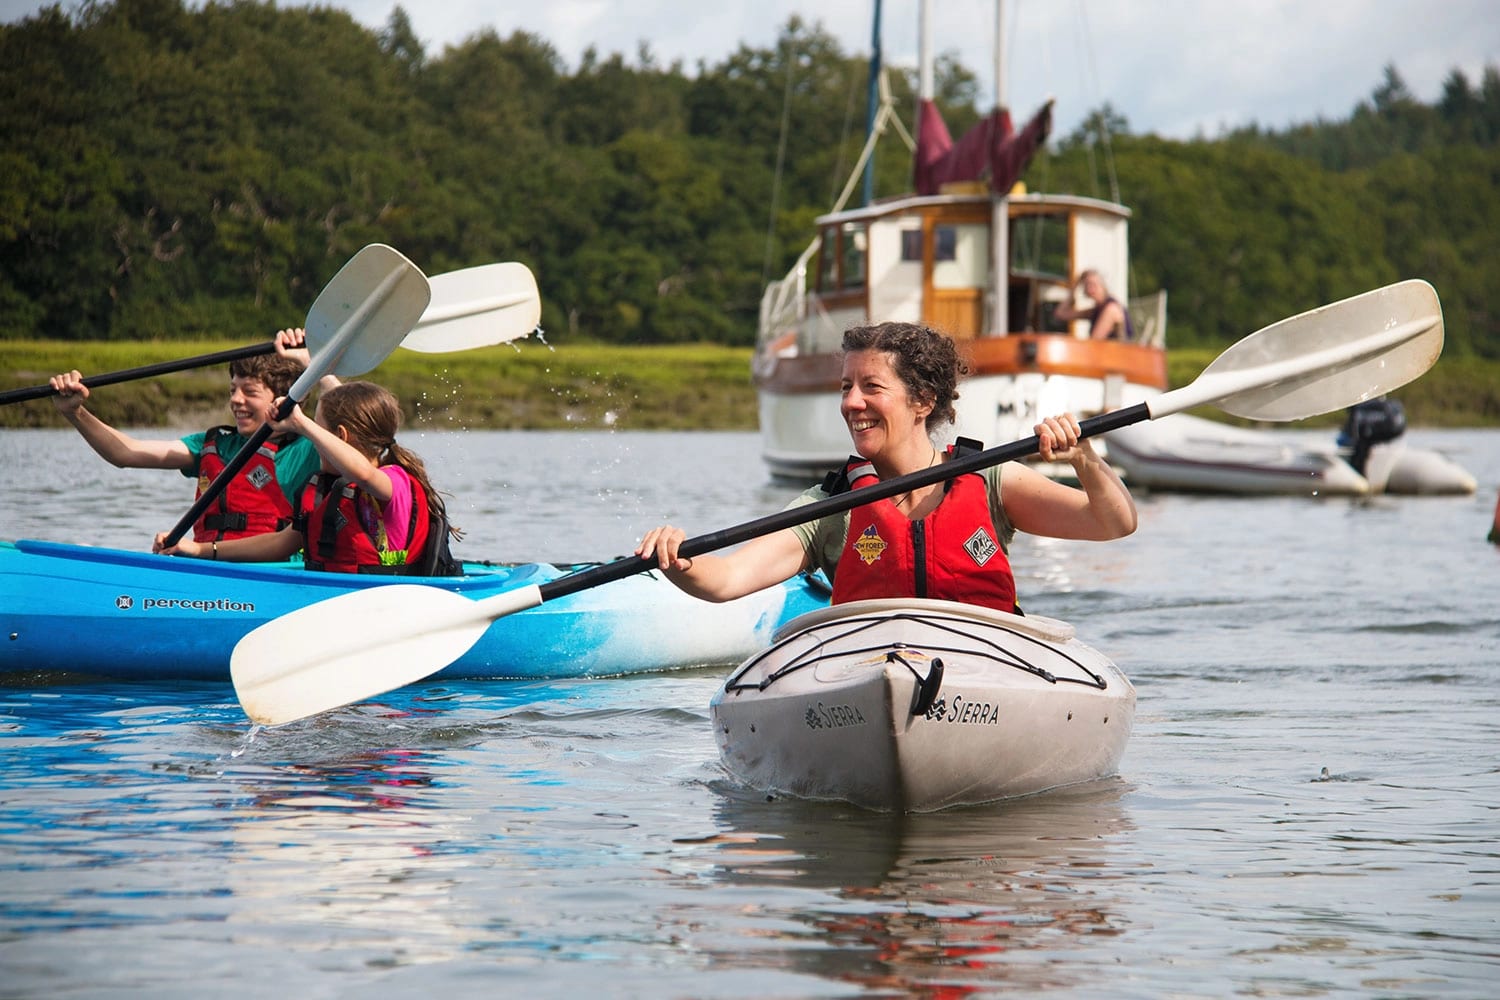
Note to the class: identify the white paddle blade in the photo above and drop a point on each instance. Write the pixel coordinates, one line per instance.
(359, 645)
(1328, 358)
(365, 311)
(477, 307)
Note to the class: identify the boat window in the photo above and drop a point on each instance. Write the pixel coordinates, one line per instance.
(1039, 245)
(967, 262)
(944, 242)
(911, 244)
(828, 261)
(854, 241)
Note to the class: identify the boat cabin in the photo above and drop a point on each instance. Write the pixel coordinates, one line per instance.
(930, 260)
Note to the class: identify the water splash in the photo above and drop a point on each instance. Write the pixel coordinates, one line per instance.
(246, 741)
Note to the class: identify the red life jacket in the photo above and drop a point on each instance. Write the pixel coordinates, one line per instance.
(337, 540)
(952, 554)
(253, 503)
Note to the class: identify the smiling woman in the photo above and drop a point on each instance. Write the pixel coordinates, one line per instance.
(945, 540)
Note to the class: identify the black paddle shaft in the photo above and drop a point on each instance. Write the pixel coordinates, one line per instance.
(620, 569)
(145, 371)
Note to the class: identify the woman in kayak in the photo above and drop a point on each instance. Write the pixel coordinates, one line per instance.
(262, 496)
(1107, 318)
(372, 508)
(947, 540)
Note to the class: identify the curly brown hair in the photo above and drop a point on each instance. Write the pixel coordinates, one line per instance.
(927, 363)
(275, 372)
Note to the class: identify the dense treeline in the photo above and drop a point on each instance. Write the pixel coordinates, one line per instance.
(202, 172)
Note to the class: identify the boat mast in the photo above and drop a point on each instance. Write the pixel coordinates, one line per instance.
(872, 100)
(924, 58)
(999, 324)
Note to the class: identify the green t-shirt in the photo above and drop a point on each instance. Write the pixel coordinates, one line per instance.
(296, 460)
(823, 539)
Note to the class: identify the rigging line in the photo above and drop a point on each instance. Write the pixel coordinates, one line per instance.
(886, 116)
(1012, 32)
(838, 164)
(786, 116)
(1092, 63)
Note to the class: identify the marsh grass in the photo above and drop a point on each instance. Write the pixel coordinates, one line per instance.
(528, 385)
(533, 385)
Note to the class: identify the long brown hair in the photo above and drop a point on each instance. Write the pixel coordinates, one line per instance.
(372, 416)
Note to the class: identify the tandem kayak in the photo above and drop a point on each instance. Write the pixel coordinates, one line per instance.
(134, 615)
(916, 705)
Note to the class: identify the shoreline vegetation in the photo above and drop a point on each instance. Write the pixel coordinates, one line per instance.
(532, 385)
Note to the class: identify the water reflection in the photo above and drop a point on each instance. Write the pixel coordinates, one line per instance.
(334, 855)
(969, 899)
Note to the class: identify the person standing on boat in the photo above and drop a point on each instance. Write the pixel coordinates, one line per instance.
(371, 508)
(948, 540)
(261, 498)
(1107, 318)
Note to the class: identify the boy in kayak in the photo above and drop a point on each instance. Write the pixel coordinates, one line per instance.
(947, 540)
(370, 509)
(260, 498)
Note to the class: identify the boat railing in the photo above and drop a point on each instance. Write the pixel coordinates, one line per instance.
(783, 307)
(1148, 314)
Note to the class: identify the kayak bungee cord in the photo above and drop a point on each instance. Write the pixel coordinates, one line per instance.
(853, 627)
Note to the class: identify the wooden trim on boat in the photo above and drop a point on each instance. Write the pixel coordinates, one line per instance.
(1060, 354)
(1022, 353)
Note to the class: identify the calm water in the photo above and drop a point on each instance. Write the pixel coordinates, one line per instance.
(1310, 804)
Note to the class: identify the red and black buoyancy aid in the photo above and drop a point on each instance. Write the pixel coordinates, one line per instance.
(253, 503)
(338, 540)
(952, 554)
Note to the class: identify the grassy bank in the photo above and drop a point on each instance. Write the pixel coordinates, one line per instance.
(526, 385)
(532, 385)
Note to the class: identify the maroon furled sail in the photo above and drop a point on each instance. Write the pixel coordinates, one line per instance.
(992, 148)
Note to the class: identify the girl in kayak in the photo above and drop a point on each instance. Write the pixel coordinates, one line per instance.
(371, 508)
(947, 540)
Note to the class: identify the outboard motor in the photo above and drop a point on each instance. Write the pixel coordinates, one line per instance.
(1375, 421)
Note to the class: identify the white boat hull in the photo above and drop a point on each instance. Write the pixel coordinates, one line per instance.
(1186, 453)
(1019, 706)
(1182, 452)
(1395, 467)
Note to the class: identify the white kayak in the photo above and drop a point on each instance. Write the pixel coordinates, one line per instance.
(916, 705)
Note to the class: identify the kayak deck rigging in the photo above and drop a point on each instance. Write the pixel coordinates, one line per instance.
(973, 644)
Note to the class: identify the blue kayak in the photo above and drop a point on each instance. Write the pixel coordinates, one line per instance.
(134, 615)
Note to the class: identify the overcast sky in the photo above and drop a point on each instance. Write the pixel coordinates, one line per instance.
(1180, 68)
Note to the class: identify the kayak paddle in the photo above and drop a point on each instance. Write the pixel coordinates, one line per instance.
(362, 644)
(356, 322)
(475, 307)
